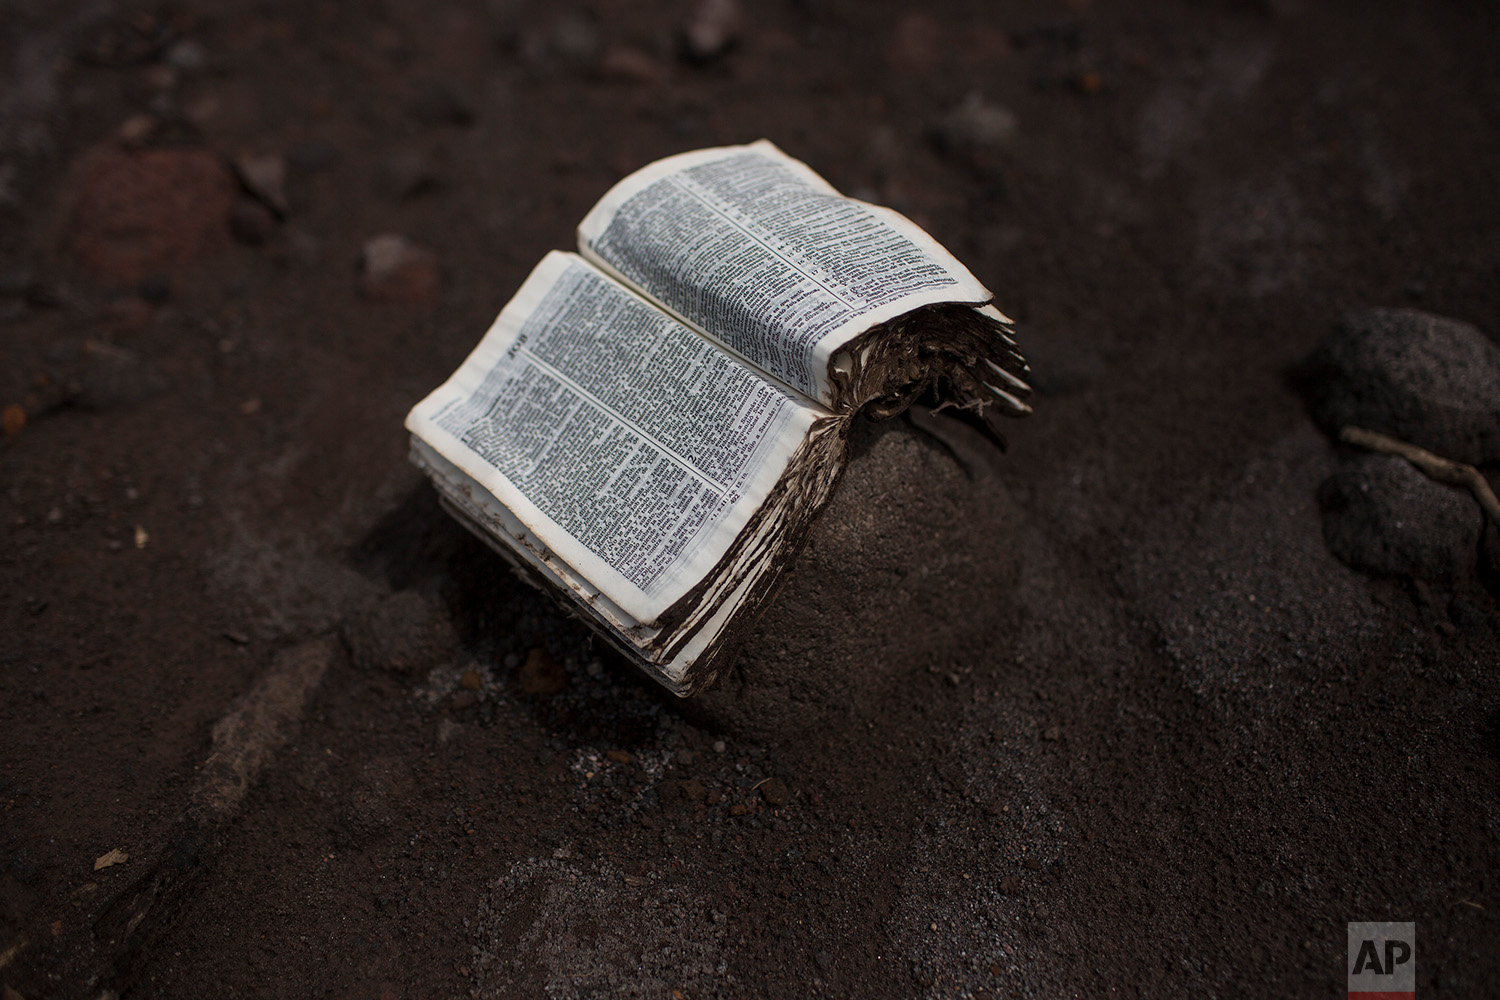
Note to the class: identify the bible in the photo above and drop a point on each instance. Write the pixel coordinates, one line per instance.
(652, 424)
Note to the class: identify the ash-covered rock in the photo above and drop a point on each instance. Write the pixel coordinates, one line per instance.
(403, 634)
(1426, 379)
(1383, 516)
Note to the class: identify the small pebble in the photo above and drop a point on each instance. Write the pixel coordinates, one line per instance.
(187, 56)
(394, 269)
(976, 125)
(135, 131)
(713, 27)
(1422, 378)
(775, 793)
(264, 176)
(618, 756)
(471, 680)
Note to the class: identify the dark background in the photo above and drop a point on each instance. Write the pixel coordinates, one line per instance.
(1102, 716)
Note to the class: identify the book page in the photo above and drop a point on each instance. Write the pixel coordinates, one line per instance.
(631, 447)
(759, 252)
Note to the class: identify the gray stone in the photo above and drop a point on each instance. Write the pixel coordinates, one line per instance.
(1383, 516)
(1422, 378)
(976, 125)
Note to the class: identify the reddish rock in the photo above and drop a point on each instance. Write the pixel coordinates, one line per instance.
(541, 674)
(142, 212)
(394, 269)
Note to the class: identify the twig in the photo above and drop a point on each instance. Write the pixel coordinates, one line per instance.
(1444, 470)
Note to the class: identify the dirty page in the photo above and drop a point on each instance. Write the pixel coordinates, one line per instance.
(759, 252)
(631, 447)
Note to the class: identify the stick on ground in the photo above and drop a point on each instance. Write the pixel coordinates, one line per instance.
(1444, 470)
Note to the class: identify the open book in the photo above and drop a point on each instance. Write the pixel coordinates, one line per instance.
(651, 425)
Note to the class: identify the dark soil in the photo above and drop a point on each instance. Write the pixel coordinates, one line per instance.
(1104, 715)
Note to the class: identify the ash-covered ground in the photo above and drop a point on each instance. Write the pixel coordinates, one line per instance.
(1154, 704)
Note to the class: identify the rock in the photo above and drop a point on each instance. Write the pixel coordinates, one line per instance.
(1426, 379)
(142, 212)
(402, 634)
(541, 674)
(258, 724)
(692, 789)
(471, 680)
(1052, 734)
(187, 56)
(713, 27)
(1383, 516)
(264, 176)
(135, 131)
(775, 792)
(394, 269)
(618, 756)
(976, 126)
